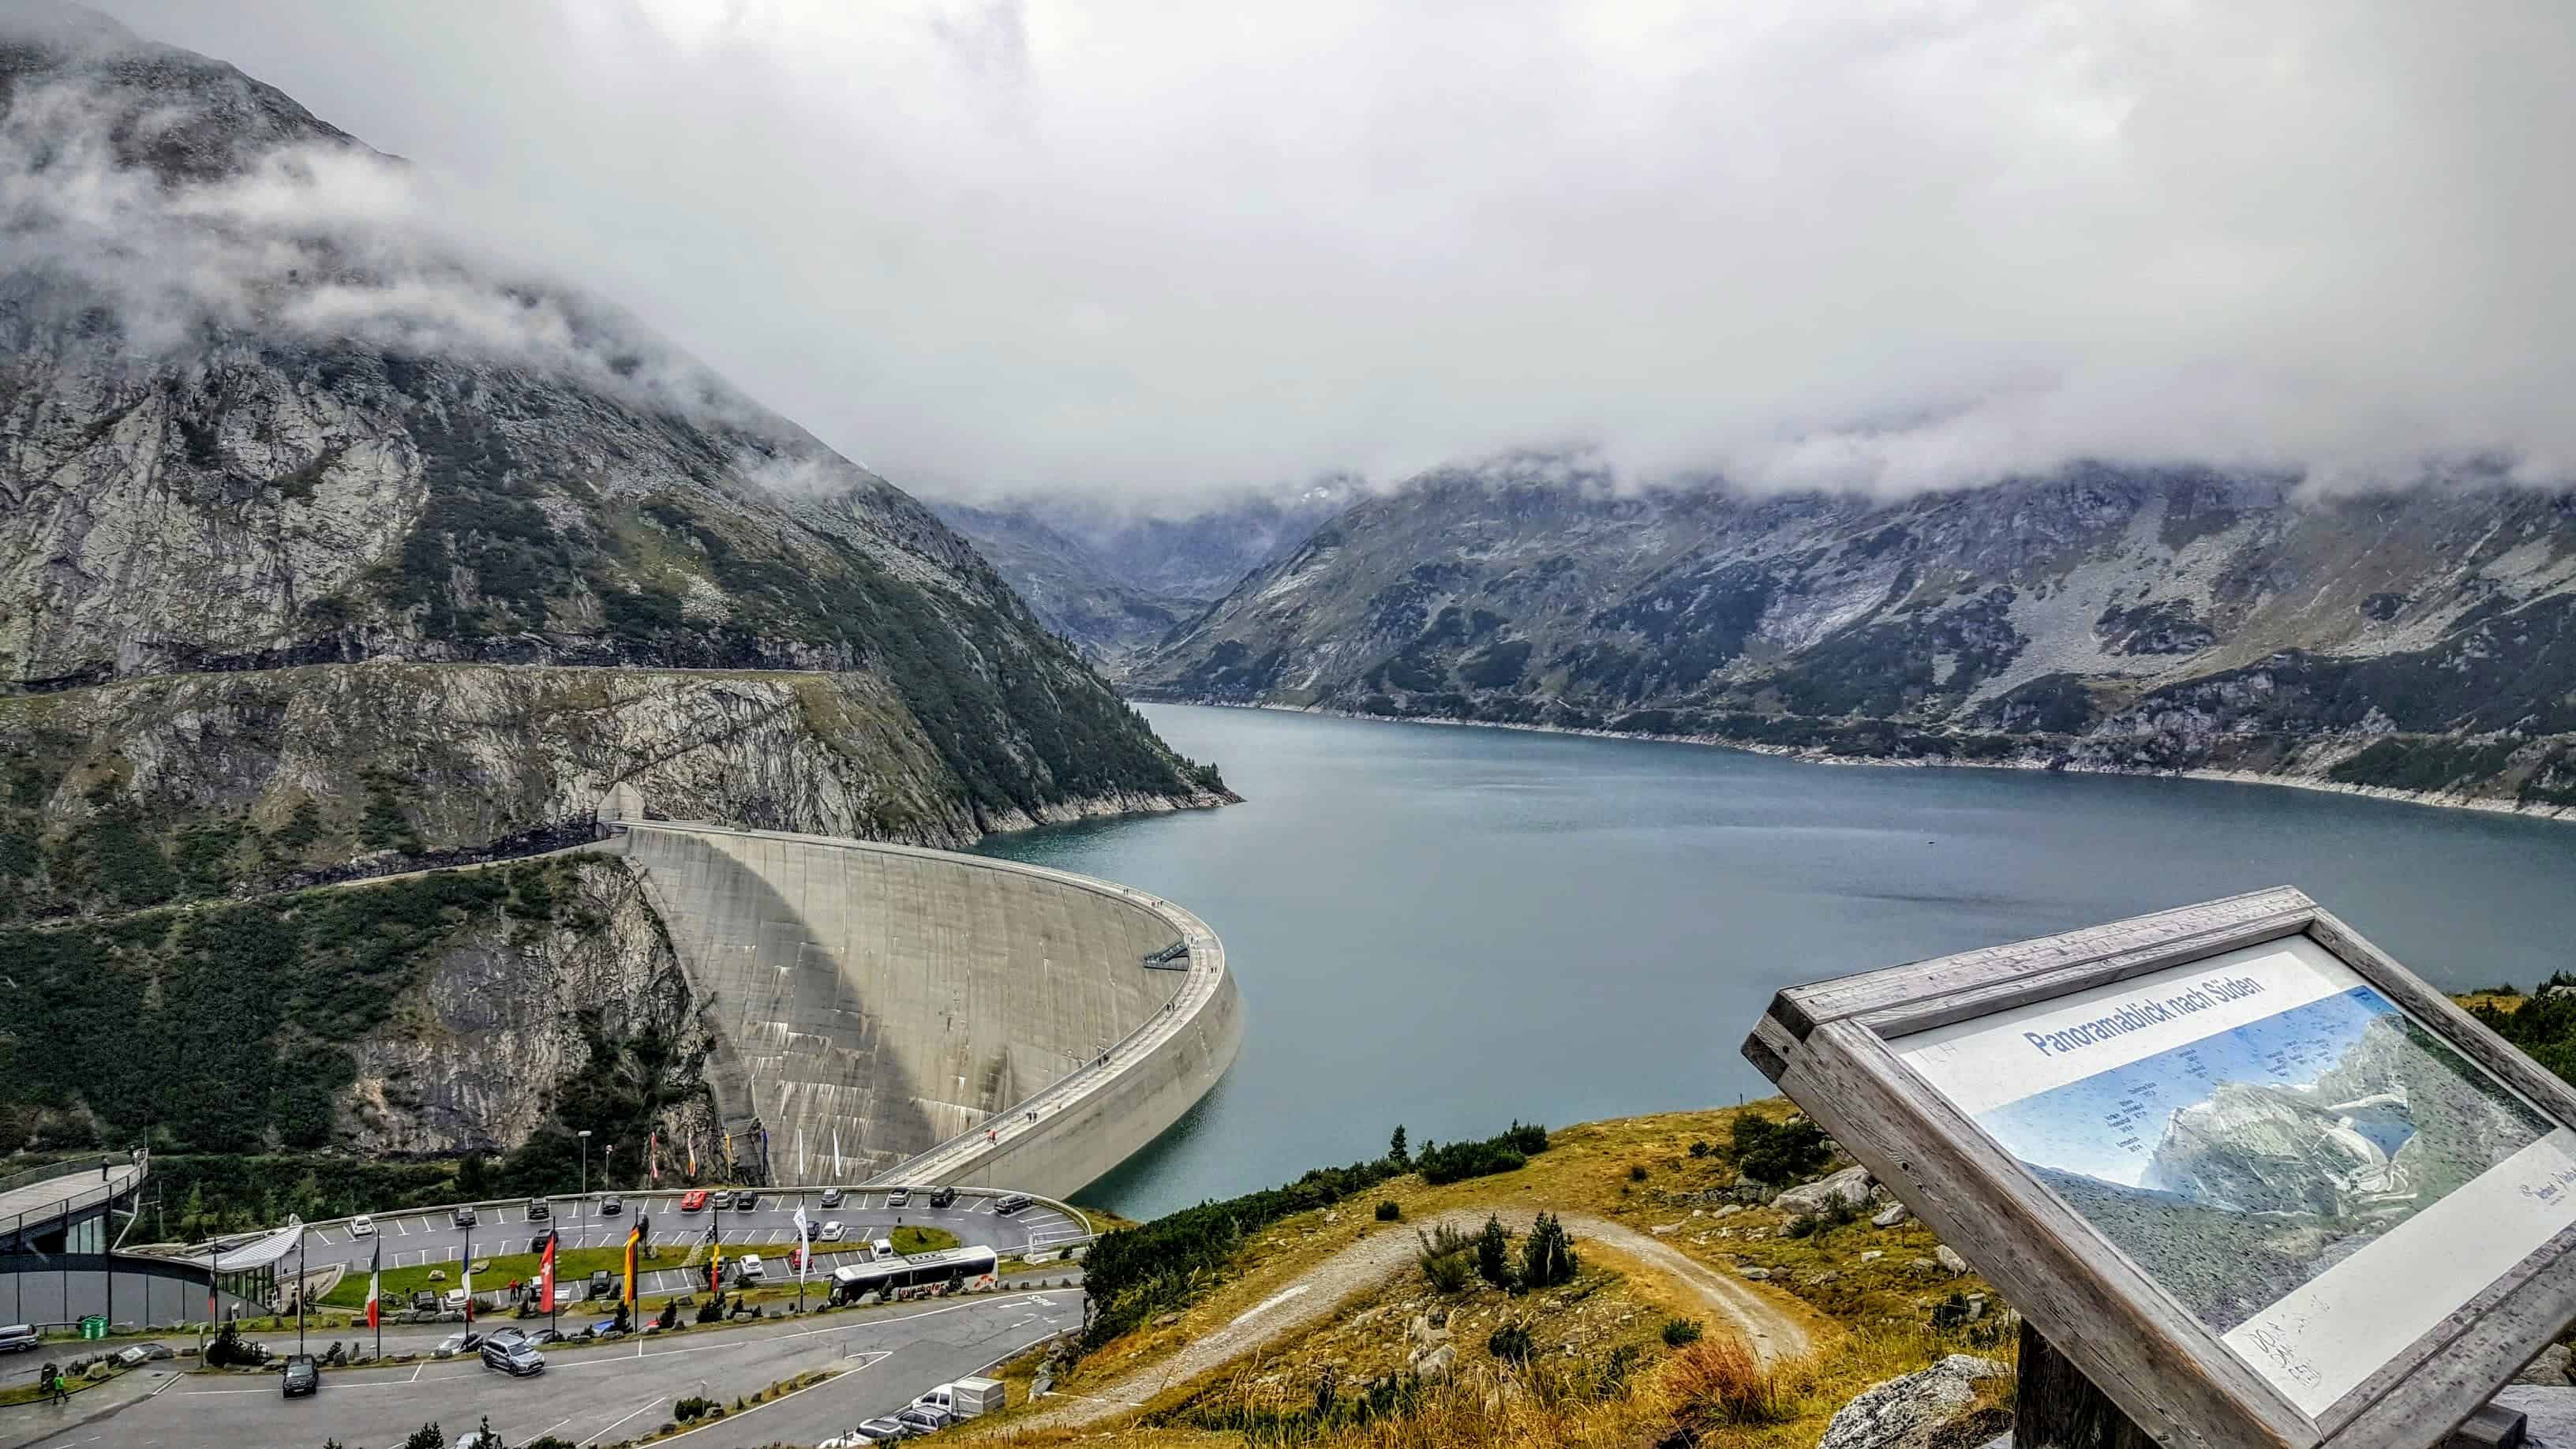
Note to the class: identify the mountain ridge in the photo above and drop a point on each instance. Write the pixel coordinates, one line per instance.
(273, 444)
(2103, 618)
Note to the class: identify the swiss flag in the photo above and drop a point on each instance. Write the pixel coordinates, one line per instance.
(546, 1273)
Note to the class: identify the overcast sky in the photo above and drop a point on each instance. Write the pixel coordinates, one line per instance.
(1160, 249)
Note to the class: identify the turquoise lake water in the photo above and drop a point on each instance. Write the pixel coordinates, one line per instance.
(1452, 928)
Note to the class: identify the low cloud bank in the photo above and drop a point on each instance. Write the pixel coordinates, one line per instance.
(1155, 253)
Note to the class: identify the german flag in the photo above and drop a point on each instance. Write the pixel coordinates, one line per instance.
(634, 1237)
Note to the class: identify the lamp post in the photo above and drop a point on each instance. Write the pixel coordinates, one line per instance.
(581, 1234)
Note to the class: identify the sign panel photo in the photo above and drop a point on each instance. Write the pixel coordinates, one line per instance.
(2299, 1163)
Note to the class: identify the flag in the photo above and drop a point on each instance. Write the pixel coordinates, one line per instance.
(653, 1155)
(728, 1144)
(836, 1154)
(376, 1288)
(634, 1235)
(715, 1258)
(469, 1286)
(693, 1158)
(546, 1273)
(804, 1245)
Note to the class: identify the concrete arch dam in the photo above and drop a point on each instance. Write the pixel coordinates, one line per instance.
(936, 1017)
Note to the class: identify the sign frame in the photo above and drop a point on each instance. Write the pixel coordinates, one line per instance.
(1826, 1045)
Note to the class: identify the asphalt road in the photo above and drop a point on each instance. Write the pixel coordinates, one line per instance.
(421, 1236)
(603, 1395)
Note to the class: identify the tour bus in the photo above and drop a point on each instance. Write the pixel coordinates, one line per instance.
(917, 1271)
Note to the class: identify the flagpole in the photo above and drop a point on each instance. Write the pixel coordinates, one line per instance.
(302, 1277)
(376, 1296)
(804, 1240)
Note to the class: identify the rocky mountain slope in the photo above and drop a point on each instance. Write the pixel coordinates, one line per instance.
(2102, 618)
(1076, 593)
(331, 547)
(1116, 582)
(263, 432)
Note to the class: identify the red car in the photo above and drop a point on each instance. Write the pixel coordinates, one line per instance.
(693, 1200)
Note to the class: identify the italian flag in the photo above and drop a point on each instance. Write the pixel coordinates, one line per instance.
(376, 1288)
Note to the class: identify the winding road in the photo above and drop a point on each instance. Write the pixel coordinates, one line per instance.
(885, 1356)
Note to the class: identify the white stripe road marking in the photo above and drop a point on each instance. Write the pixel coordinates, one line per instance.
(602, 1434)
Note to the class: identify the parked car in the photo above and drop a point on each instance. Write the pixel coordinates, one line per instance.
(600, 1286)
(537, 1244)
(456, 1343)
(881, 1249)
(611, 1205)
(745, 1200)
(884, 1431)
(749, 1269)
(900, 1197)
(479, 1439)
(1011, 1204)
(693, 1200)
(945, 1197)
(303, 1375)
(362, 1226)
(920, 1420)
(539, 1210)
(722, 1199)
(831, 1197)
(565, 1294)
(465, 1216)
(19, 1337)
(424, 1301)
(518, 1359)
(831, 1231)
(454, 1302)
(544, 1336)
(504, 1337)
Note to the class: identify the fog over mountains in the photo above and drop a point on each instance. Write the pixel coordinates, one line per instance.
(320, 522)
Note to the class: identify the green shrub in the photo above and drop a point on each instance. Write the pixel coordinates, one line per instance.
(1774, 1152)
(1547, 1258)
(1680, 1331)
(1510, 1343)
(1445, 1255)
(1388, 1211)
(1636, 1172)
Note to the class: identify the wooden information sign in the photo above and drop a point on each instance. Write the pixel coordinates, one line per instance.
(2253, 1178)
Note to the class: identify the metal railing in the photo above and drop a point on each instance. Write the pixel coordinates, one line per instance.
(123, 1175)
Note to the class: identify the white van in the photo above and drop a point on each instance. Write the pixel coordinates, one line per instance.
(18, 1338)
(943, 1398)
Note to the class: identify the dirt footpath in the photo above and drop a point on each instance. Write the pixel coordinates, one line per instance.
(1774, 1333)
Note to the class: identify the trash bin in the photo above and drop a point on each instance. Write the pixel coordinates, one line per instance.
(93, 1325)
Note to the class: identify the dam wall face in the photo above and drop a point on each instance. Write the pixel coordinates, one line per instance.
(887, 1012)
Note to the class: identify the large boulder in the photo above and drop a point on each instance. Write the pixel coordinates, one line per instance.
(1849, 1186)
(1933, 1409)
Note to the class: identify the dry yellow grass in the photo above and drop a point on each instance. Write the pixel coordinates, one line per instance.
(1869, 1316)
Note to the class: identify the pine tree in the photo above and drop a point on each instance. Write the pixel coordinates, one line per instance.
(1494, 1254)
(1395, 1150)
(1547, 1258)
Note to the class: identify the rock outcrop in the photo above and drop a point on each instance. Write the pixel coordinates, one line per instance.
(1936, 1408)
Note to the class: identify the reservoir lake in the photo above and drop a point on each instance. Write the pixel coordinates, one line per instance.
(1452, 928)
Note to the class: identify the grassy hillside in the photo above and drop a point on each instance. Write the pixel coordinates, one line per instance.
(1597, 1367)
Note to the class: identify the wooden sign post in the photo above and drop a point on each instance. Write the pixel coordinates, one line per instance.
(2249, 1181)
